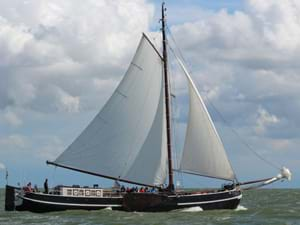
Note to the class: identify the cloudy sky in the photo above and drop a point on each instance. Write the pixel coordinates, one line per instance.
(61, 60)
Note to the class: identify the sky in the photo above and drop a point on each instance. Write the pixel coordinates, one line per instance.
(61, 60)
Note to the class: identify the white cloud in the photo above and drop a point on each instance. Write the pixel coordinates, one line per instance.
(211, 93)
(66, 102)
(42, 146)
(51, 147)
(2, 166)
(60, 60)
(250, 58)
(13, 142)
(44, 44)
(281, 144)
(264, 119)
(11, 117)
(280, 21)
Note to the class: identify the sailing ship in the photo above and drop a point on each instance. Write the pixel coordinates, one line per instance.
(129, 141)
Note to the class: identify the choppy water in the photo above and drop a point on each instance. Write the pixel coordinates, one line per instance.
(261, 207)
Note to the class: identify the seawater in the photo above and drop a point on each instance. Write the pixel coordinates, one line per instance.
(261, 207)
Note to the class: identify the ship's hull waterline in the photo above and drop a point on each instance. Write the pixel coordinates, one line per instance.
(144, 202)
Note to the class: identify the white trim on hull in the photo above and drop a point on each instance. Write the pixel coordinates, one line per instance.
(70, 204)
(209, 202)
(70, 196)
(207, 193)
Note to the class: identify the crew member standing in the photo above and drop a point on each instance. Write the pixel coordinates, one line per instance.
(46, 186)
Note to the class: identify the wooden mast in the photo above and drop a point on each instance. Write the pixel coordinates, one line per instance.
(167, 99)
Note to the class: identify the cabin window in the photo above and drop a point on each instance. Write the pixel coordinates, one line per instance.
(80, 193)
(75, 192)
(69, 192)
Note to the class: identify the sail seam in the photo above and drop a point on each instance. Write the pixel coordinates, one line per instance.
(140, 68)
(120, 93)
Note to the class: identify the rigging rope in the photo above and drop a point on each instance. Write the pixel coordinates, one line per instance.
(270, 163)
(53, 182)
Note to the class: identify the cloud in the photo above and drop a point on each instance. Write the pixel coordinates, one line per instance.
(248, 57)
(66, 102)
(41, 147)
(50, 147)
(2, 166)
(264, 119)
(9, 143)
(245, 63)
(281, 144)
(11, 117)
(65, 46)
(61, 60)
(280, 22)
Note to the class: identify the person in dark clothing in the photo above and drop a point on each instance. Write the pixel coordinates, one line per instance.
(46, 186)
(123, 188)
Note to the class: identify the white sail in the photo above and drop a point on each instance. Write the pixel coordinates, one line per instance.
(126, 140)
(203, 152)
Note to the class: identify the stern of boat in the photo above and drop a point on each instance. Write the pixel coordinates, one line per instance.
(12, 199)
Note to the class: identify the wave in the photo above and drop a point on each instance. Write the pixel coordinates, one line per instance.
(241, 208)
(193, 209)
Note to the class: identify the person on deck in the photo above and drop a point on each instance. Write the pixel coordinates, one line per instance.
(123, 188)
(46, 190)
(28, 187)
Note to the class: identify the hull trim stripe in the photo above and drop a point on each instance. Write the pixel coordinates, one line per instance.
(72, 204)
(194, 194)
(206, 202)
(70, 196)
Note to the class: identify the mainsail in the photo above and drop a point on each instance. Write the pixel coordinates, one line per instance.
(127, 139)
(203, 152)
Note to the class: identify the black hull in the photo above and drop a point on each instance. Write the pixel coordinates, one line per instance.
(38, 202)
(42, 207)
(143, 202)
(148, 202)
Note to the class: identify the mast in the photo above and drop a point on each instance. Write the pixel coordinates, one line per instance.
(167, 99)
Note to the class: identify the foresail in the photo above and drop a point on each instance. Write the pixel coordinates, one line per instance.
(203, 152)
(126, 140)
